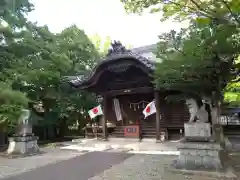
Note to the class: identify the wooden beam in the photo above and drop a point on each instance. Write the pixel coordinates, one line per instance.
(158, 115)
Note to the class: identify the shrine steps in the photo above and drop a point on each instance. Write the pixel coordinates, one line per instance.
(118, 132)
(149, 132)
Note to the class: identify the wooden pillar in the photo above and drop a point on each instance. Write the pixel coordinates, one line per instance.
(104, 122)
(158, 115)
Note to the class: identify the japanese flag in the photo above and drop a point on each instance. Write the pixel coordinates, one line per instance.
(95, 112)
(149, 109)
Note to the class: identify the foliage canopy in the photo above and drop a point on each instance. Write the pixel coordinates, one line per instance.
(202, 58)
(33, 61)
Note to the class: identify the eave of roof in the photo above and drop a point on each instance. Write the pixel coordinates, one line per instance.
(120, 52)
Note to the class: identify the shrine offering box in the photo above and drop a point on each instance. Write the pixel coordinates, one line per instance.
(132, 131)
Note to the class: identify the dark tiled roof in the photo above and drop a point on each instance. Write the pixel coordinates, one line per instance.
(120, 52)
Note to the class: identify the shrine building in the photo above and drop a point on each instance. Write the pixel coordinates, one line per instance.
(124, 81)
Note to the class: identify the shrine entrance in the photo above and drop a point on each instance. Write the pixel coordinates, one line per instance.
(124, 81)
(132, 107)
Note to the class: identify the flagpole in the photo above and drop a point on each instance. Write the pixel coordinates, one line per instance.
(105, 130)
(158, 115)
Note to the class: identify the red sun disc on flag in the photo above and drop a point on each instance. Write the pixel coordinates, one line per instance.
(148, 109)
(95, 110)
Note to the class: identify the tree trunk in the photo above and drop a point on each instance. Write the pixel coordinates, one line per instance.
(62, 127)
(217, 130)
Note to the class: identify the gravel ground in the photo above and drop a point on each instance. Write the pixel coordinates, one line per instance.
(236, 163)
(147, 167)
(10, 167)
(95, 166)
(78, 168)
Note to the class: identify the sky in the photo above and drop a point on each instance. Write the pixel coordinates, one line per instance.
(104, 17)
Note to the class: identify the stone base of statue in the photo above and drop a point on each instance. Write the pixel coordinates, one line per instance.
(198, 152)
(197, 132)
(23, 145)
(200, 156)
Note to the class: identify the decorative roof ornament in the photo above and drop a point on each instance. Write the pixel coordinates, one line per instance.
(117, 48)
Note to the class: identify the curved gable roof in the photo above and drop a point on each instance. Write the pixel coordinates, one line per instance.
(116, 53)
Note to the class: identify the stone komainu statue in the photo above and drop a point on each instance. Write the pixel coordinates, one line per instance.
(24, 127)
(197, 112)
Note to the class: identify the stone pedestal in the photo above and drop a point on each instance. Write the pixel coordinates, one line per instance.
(200, 156)
(23, 145)
(197, 151)
(197, 131)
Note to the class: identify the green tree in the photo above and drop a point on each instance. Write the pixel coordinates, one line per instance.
(102, 45)
(224, 11)
(33, 61)
(48, 58)
(202, 55)
(12, 26)
(195, 64)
